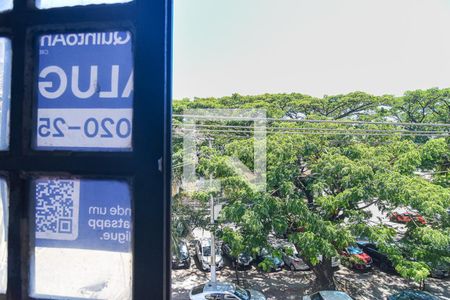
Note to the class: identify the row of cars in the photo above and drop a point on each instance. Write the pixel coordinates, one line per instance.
(289, 259)
(361, 257)
(367, 254)
(386, 265)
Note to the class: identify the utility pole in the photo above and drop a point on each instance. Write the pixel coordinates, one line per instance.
(213, 240)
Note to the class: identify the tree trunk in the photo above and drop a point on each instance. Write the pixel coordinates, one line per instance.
(422, 285)
(309, 196)
(324, 275)
(237, 273)
(303, 185)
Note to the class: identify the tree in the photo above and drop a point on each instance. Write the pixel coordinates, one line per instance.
(323, 188)
(423, 106)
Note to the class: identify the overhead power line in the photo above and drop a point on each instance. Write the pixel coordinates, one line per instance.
(347, 122)
(318, 132)
(201, 126)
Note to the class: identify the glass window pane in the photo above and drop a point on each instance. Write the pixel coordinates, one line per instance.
(42, 4)
(3, 235)
(85, 92)
(82, 245)
(5, 91)
(6, 5)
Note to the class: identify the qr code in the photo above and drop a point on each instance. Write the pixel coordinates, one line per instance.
(57, 207)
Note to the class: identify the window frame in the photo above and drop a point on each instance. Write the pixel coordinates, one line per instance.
(6, 89)
(148, 162)
(4, 176)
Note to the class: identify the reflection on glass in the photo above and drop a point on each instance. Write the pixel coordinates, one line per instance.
(82, 244)
(6, 5)
(5, 92)
(3, 236)
(42, 4)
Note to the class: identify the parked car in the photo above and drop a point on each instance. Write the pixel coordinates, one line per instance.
(291, 258)
(277, 263)
(181, 257)
(243, 260)
(335, 261)
(357, 258)
(223, 291)
(406, 217)
(379, 258)
(412, 295)
(203, 252)
(328, 295)
(440, 271)
(386, 265)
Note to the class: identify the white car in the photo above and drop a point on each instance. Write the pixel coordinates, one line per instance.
(223, 291)
(203, 252)
(328, 295)
(292, 259)
(335, 261)
(294, 262)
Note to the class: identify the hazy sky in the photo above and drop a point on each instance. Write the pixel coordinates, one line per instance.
(315, 47)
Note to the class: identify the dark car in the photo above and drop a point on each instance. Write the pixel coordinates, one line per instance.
(380, 259)
(243, 260)
(357, 258)
(412, 295)
(181, 257)
(440, 271)
(276, 262)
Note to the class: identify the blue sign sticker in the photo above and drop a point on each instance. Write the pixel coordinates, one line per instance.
(84, 214)
(85, 92)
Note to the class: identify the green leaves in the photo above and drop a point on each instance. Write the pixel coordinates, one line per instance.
(429, 199)
(323, 183)
(414, 270)
(424, 106)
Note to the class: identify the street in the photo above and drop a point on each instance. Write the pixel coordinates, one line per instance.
(373, 285)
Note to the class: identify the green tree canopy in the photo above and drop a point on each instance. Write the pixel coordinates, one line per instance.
(326, 180)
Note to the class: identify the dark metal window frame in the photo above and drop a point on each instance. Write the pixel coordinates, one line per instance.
(148, 166)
